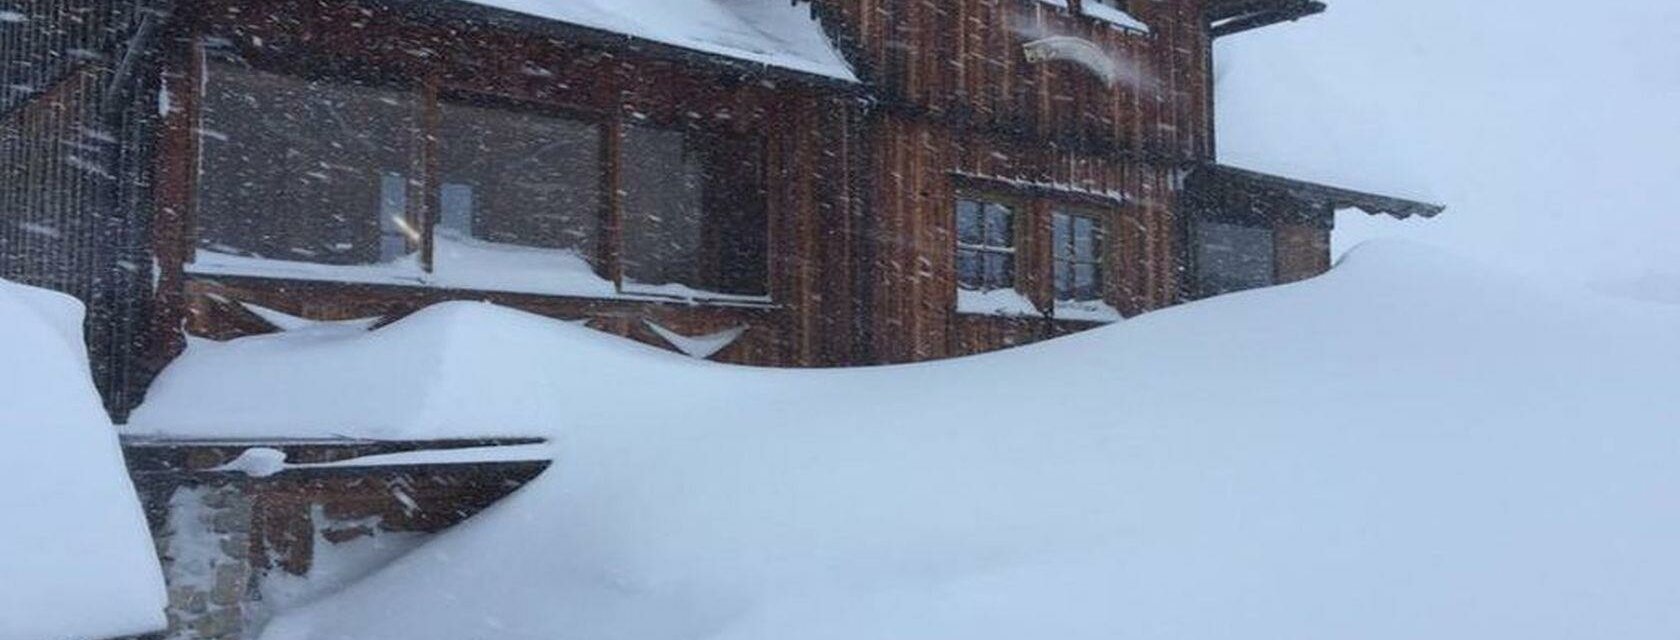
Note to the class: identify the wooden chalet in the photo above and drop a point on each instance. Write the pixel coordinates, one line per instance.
(846, 182)
(827, 182)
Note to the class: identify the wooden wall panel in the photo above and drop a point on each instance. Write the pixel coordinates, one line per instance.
(958, 98)
(921, 164)
(1302, 251)
(961, 61)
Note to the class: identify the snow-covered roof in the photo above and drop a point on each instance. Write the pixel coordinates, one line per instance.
(776, 33)
(76, 560)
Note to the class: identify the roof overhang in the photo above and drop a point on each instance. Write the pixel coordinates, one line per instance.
(454, 12)
(1249, 185)
(1229, 17)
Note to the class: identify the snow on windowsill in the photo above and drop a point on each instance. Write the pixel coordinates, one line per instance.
(1087, 311)
(402, 272)
(468, 263)
(997, 302)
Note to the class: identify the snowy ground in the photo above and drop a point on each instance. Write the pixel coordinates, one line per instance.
(1411, 446)
(76, 560)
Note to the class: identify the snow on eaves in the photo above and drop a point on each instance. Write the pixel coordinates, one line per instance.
(1112, 15)
(776, 33)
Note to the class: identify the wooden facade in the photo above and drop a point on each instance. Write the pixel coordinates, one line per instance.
(75, 102)
(855, 185)
(964, 111)
(433, 57)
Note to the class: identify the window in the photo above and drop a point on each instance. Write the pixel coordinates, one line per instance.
(512, 177)
(693, 214)
(334, 174)
(985, 245)
(307, 171)
(1078, 255)
(1232, 257)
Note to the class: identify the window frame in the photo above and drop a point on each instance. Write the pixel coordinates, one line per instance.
(1099, 259)
(1034, 257)
(1019, 211)
(698, 137)
(210, 53)
(423, 200)
(604, 126)
(1198, 263)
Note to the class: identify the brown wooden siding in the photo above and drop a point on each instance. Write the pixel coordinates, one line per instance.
(72, 127)
(861, 192)
(1303, 251)
(923, 166)
(961, 61)
(961, 104)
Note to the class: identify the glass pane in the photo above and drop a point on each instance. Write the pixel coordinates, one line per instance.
(535, 179)
(293, 169)
(971, 272)
(694, 213)
(1000, 230)
(663, 187)
(1064, 280)
(396, 235)
(969, 222)
(1086, 283)
(1232, 257)
(1085, 238)
(1000, 271)
(456, 204)
(1062, 235)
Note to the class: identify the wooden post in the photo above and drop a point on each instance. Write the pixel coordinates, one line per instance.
(424, 216)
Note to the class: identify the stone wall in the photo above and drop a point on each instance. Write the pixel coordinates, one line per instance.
(205, 545)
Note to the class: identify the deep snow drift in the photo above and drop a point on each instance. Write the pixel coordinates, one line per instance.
(76, 560)
(1409, 447)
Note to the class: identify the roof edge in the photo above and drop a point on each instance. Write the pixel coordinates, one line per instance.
(1231, 17)
(1325, 195)
(497, 17)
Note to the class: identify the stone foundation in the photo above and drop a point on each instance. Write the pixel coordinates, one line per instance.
(236, 548)
(205, 545)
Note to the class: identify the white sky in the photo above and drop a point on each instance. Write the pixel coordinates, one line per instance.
(1551, 129)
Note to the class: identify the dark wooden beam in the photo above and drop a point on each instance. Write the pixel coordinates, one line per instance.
(1237, 17)
(1222, 178)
